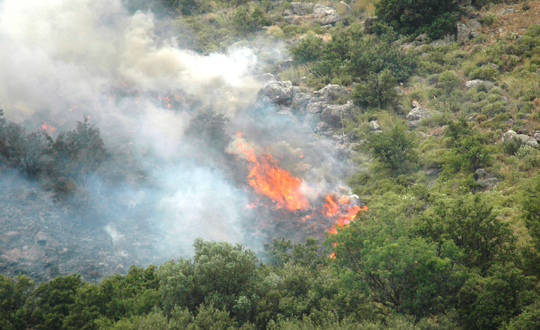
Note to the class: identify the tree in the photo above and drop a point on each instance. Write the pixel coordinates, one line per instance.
(221, 275)
(14, 294)
(77, 154)
(377, 91)
(468, 150)
(308, 49)
(393, 149)
(434, 17)
(405, 274)
(472, 226)
(487, 303)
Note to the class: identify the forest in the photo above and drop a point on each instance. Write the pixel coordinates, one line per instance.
(423, 116)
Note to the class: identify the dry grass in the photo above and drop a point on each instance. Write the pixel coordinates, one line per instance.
(506, 24)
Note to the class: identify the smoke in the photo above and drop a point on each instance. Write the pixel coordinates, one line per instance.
(65, 59)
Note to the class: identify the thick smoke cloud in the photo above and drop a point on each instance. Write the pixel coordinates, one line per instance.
(63, 60)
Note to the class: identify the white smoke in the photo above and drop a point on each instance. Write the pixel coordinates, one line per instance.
(62, 59)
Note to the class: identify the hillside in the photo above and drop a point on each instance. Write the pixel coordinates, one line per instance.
(238, 164)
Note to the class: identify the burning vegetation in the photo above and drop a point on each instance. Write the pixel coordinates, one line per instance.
(283, 191)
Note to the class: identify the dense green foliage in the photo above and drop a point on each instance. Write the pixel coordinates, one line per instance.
(433, 17)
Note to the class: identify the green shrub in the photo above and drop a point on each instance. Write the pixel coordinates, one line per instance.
(434, 17)
(307, 50)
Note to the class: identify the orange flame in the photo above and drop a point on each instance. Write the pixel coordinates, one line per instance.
(268, 179)
(342, 210)
(48, 127)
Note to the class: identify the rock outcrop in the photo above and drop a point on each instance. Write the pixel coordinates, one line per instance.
(510, 135)
(417, 114)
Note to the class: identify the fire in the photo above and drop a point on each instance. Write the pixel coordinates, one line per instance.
(268, 179)
(48, 127)
(285, 190)
(342, 210)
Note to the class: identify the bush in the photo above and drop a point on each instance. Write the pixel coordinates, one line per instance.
(307, 50)
(378, 90)
(434, 17)
(394, 149)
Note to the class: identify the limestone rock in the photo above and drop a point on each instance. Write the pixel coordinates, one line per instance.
(462, 33)
(374, 126)
(332, 92)
(485, 179)
(326, 15)
(477, 82)
(508, 11)
(447, 40)
(333, 115)
(525, 139)
(473, 24)
(279, 92)
(417, 114)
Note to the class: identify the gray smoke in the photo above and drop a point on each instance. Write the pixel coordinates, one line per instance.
(65, 59)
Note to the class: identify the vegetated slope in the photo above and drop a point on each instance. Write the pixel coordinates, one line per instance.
(445, 135)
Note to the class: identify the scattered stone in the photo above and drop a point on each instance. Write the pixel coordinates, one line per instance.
(279, 92)
(474, 34)
(332, 92)
(421, 38)
(508, 11)
(326, 15)
(417, 114)
(485, 179)
(473, 24)
(374, 126)
(537, 136)
(494, 66)
(327, 27)
(333, 115)
(510, 135)
(9, 237)
(447, 40)
(477, 82)
(463, 33)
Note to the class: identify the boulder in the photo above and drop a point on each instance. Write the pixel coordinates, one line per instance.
(485, 179)
(508, 11)
(447, 40)
(421, 38)
(333, 115)
(463, 32)
(374, 126)
(473, 24)
(279, 92)
(326, 15)
(301, 100)
(332, 92)
(477, 82)
(537, 136)
(417, 114)
(301, 9)
(525, 139)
